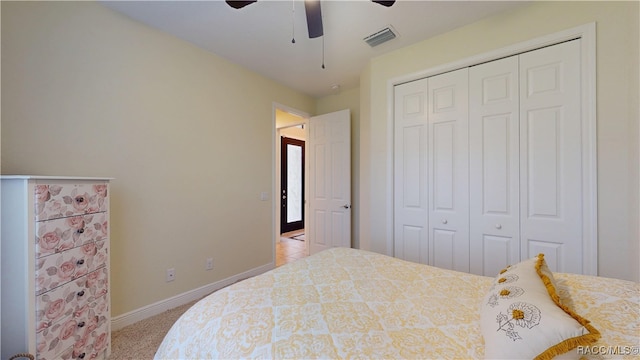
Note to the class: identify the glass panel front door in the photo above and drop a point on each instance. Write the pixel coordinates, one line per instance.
(292, 179)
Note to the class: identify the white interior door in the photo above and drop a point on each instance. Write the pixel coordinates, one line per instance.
(329, 147)
(551, 156)
(448, 160)
(494, 165)
(411, 235)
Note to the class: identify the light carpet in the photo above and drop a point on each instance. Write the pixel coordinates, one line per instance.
(140, 341)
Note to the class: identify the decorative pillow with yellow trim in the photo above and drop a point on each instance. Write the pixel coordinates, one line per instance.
(522, 316)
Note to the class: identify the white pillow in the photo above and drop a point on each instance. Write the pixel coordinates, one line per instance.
(522, 317)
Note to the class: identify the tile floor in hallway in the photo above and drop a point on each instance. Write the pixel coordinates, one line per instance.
(288, 249)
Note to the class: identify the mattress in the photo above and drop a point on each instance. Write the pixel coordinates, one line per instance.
(347, 303)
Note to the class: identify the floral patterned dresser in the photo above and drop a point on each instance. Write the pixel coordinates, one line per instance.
(55, 267)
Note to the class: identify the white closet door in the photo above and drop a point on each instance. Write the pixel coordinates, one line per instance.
(410, 172)
(493, 166)
(448, 170)
(550, 156)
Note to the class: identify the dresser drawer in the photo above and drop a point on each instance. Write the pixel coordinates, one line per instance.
(60, 268)
(80, 335)
(61, 200)
(56, 339)
(93, 347)
(53, 236)
(93, 340)
(71, 299)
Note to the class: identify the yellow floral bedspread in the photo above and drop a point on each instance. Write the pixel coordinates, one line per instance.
(347, 303)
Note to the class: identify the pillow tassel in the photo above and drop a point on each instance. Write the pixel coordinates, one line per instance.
(568, 344)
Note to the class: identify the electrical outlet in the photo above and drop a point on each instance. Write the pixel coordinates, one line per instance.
(171, 274)
(209, 264)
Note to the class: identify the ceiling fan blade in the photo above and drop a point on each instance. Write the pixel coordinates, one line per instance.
(239, 4)
(314, 18)
(384, 3)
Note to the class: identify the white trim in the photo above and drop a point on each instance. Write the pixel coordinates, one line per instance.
(44, 177)
(585, 32)
(293, 124)
(156, 308)
(390, 168)
(589, 151)
(290, 110)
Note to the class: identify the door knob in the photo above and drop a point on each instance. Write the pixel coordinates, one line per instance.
(346, 206)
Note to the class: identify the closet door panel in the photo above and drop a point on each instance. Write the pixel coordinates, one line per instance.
(496, 253)
(494, 165)
(550, 155)
(410, 169)
(444, 246)
(552, 252)
(448, 170)
(443, 166)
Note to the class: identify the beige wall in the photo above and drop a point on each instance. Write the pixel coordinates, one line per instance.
(186, 135)
(617, 114)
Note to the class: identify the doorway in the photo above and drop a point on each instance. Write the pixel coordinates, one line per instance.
(290, 128)
(327, 179)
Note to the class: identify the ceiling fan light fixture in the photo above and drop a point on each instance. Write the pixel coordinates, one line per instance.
(381, 36)
(314, 18)
(239, 4)
(384, 3)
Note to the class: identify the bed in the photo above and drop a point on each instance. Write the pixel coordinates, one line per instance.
(348, 303)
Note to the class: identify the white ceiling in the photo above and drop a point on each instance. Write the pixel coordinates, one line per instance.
(259, 35)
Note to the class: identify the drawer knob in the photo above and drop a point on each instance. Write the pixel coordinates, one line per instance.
(498, 226)
(80, 293)
(81, 324)
(80, 231)
(80, 262)
(444, 221)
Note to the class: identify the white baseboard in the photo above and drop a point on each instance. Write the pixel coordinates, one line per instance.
(156, 308)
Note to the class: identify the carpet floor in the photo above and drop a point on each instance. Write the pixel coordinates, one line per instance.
(140, 341)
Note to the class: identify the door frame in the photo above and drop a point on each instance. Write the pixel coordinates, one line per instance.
(275, 167)
(587, 33)
(284, 182)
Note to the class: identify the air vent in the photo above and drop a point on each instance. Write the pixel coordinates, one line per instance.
(380, 37)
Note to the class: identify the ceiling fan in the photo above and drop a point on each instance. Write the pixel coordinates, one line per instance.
(312, 9)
